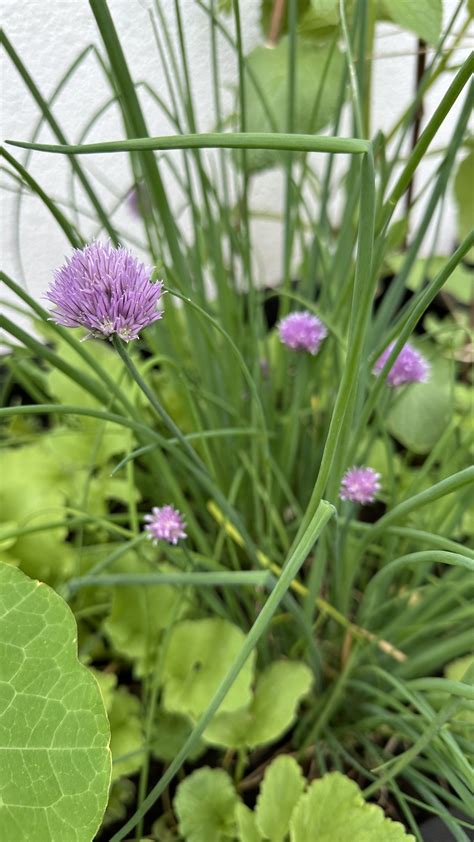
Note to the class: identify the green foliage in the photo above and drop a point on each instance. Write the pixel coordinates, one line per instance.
(138, 618)
(271, 711)
(205, 804)
(126, 728)
(280, 791)
(464, 195)
(198, 655)
(313, 108)
(55, 736)
(422, 412)
(334, 804)
(424, 18)
(170, 732)
(208, 807)
(332, 650)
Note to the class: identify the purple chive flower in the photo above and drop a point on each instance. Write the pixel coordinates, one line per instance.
(165, 523)
(302, 332)
(107, 291)
(360, 485)
(409, 367)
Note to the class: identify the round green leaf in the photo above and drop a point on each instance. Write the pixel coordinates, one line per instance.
(205, 805)
(270, 68)
(198, 656)
(332, 810)
(54, 732)
(280, 791)
(271, 712)
(423, 17)
(423, 410)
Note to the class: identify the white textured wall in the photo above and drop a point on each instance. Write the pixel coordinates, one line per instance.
(49, 35)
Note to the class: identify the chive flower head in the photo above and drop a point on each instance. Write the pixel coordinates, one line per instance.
(165, 523)
(409, 367)
(302, 332)
(106, 290)
(360, 485)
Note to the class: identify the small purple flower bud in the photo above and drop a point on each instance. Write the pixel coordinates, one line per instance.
(107, 291)
(302, 332)
(165, 523)
(409, 367)
(360, 485)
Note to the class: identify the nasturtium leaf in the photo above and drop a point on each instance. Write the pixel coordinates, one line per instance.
(270, 67)
(464, 196)
(271, 711)
(205, 804)
(137, 619)
(247, 830)
(422, 411)
(54, 733)
(198, 656)
(170, 732)
(423, 17)
(280, 791)
(333, 809)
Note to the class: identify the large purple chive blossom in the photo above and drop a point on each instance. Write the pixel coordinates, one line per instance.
(360, 485)
(107, 291)
(409, 367)
(302, 332)
(165, 523)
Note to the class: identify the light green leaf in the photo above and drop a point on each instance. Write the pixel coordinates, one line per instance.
(270, 67)
(205, 804)
(247, 830)
(170, 732)
(423, 17)
(127, 734)
(278, 691)
(421, 412)
(138, 616)
(198, 656)
(55, 755)
(280, 790)
(332, 810)
(32, 497)
(464, 195)
(460, 283)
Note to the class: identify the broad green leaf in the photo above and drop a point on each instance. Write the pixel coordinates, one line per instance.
(280, 791)
(170, 732)
(333, 810)
(138, 617)
(272, 710)
(421, 413)
(32, 497)
(270, 67)
(423, 17)
(266, 7)
(54, 753)
(247, 830)
(198, 656)
(205, 804)
(460, 283)
(464, 195)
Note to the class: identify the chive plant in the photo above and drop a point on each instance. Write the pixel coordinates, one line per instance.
(286, 473)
